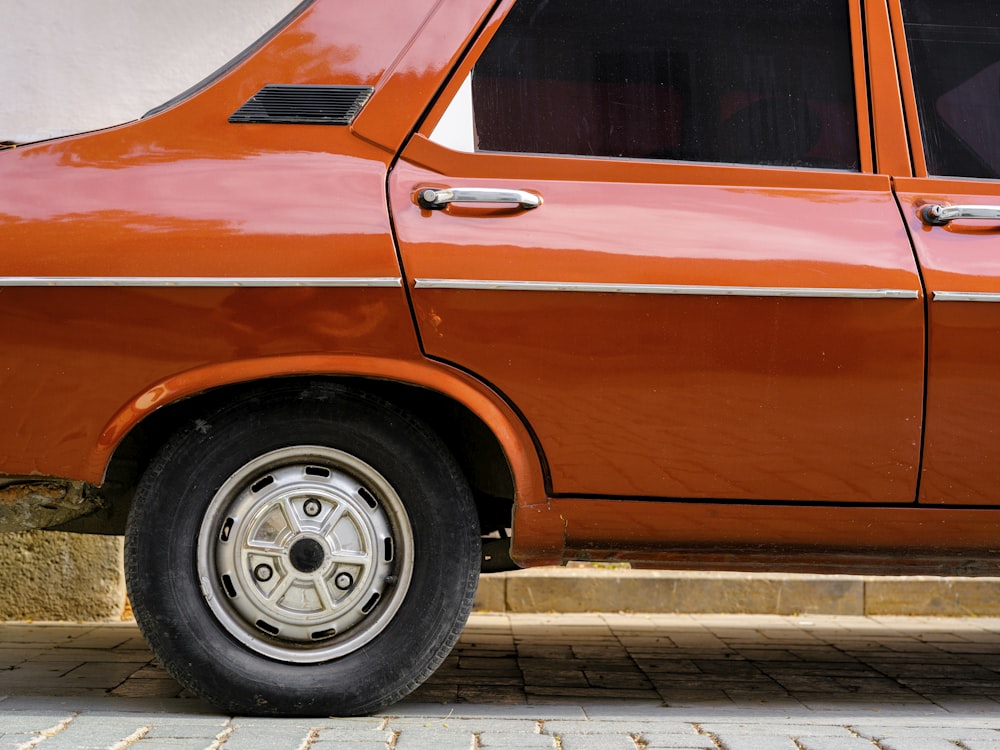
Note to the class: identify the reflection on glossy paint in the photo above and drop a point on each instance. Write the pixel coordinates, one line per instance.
(149, 399)
(670, 234)
(264, 192)
(196, 217)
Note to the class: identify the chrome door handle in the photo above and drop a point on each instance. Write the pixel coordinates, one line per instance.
(436, 198)
(939, 216)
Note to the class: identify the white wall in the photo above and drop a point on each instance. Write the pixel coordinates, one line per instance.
(67, 66)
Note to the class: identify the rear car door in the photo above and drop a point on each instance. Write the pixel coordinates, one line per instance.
(655, 228)
(951, 74)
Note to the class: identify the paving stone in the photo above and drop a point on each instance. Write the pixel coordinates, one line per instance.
(489, 741)
(916, 743)
(614, 726)
(617, 680)
(419, 712)
(276, 736)
(693, 698)
(101, 674)
(957, 704)
(417, 738)
(177, 727)
(795, 729)
(570, 678)
(619, 741)
(20, 728)
(510, 695)
(93, 732)
(506, 665)
(83, 655)
(656, 740)
(758, 742)
(147, 688)
(588, 693)
(838, 743)
(927, 738)
(491, 726)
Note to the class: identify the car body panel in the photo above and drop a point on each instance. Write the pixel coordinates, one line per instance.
(913, 540)
(75, 357)
(736, 378)
(961, 269)
(892, 153)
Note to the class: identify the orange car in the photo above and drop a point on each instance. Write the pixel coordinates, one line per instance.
(668, 281)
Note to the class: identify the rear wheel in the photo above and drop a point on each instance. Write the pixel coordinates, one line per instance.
(305, 551)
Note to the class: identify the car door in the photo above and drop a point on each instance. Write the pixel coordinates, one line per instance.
(655, 228)
(951, 62)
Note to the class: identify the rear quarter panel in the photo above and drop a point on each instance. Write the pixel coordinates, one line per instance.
(185, 194)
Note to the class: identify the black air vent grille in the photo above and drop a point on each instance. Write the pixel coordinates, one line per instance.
(304, 105)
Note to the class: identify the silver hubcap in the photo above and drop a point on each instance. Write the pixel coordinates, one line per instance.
(305, 554)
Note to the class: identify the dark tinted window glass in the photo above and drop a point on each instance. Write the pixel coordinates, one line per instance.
(761, 82)
(955, 56)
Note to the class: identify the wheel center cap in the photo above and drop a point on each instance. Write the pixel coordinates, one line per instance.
(306, 555)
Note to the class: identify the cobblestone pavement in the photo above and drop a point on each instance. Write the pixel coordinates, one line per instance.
(559, 682)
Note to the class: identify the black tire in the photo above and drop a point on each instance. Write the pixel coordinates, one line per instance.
(307, 551)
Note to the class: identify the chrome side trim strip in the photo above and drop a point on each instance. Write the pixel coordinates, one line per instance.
(682, 289)
(202, 281)
(966, 297)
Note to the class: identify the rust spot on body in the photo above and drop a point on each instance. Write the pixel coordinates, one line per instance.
(28, 503)
(34, 492)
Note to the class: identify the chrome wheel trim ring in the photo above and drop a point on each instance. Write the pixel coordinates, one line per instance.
(305, 554)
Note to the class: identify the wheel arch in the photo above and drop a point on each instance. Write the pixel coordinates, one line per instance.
(493, 446)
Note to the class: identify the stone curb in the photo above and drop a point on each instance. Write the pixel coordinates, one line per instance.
(575, 590)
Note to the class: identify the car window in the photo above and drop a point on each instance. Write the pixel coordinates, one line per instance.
(763, 83)
(954, 53)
